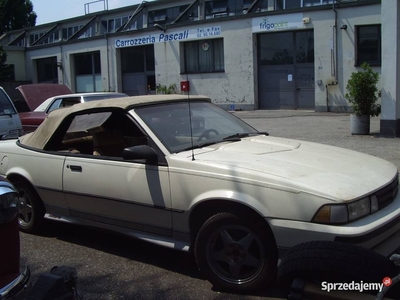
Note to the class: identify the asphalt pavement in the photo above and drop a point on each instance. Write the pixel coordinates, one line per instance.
(111, 266)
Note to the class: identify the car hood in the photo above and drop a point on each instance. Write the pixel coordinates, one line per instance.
(35, 94)
(330, 172)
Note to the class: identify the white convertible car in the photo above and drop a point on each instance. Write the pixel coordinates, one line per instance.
(188, 175)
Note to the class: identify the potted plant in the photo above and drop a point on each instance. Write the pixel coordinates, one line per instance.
(362, 93)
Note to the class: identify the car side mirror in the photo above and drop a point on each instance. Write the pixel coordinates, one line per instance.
(140, 152)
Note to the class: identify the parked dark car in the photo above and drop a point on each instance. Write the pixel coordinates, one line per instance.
(13, 282)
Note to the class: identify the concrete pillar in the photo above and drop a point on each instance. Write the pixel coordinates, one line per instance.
(390, 117)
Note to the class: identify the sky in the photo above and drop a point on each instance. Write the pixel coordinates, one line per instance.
(48, 11)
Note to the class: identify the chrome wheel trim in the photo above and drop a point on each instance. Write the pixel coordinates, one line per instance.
(25, 208)
(235, 254)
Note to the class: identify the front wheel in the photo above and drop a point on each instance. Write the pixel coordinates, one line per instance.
(31, 209)
(236, 253)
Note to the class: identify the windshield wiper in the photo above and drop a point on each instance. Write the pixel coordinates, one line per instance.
(236, 136)
(239, 136)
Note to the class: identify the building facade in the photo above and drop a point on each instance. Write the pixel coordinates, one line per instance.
(245, 55)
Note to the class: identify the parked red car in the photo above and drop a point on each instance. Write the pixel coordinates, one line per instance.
(31, 96)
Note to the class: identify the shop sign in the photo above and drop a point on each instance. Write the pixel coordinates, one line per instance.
(278, 22)
(169, 37)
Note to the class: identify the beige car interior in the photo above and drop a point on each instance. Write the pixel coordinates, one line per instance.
(109, 139)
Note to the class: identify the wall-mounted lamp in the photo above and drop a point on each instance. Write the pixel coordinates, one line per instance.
(59, 65)
(160, 27)
(344, 27)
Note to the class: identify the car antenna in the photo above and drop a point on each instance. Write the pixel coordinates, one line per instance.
(190, 118)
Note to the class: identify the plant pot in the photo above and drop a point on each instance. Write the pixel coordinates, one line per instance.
(359, 124)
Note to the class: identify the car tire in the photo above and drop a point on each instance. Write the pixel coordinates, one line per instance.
(236, 253)
(333, 262)
(31, 208)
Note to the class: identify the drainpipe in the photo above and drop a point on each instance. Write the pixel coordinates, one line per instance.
(62, 63)
(334, 57)
(327, 98)
(108, 63)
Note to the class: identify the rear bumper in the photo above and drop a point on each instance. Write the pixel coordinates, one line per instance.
(379, 231)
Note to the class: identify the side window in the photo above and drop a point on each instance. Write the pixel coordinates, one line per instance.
(101, 134)
(67, 102)
(63, 102)
(54, 105)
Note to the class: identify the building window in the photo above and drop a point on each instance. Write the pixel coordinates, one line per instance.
(222, 8)
(304, 47)
(204, 56)
(269, 5)
(368, 46)
(51, 38)
(191, 14)
(88, 72)
(89, 32)
(7, 73)
(112, 25)
(70, 31)
(21, 43)
(47, 70)
(276, 48)
(138, 59)
(165, 16)
(216, 9)
(34, 37)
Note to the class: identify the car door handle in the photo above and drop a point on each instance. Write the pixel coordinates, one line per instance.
(74, 168)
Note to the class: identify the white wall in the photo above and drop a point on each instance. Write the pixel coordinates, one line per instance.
(234, 86)
(17, 58)
(65, 54)
(323, 23)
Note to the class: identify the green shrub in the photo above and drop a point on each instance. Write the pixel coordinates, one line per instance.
(362, 92)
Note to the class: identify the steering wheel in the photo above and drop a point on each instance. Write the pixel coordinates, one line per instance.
(206, 134)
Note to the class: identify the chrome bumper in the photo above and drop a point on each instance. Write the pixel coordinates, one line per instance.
(18, 288)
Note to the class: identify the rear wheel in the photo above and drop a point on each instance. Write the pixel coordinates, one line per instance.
(236, 253)
(31, 209)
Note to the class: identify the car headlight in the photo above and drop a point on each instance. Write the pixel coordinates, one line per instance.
(344, 213)
(8, 204)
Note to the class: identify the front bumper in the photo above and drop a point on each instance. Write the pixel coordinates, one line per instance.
(379, 231)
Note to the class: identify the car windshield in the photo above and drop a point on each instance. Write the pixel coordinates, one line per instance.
(210, 125)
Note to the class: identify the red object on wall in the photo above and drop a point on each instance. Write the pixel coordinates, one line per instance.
(185, 86)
